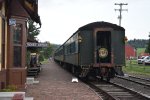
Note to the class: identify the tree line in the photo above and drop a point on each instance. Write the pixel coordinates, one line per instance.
(141, 43)
(138, 43)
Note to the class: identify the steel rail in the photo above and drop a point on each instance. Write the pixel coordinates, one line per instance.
(146, 97)
(141, 83)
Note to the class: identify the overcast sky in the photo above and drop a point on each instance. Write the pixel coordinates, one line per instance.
(61, 18)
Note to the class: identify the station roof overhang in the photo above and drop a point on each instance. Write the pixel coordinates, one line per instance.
(31, 6)
(1, 1)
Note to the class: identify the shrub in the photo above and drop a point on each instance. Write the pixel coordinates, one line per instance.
(10, 88)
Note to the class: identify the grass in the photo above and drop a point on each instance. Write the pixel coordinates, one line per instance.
(133, 68)
(45, 61)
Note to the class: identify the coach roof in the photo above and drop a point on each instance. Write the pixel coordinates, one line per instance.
(101, 24)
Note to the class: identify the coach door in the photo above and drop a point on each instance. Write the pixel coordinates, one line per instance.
(103, 47)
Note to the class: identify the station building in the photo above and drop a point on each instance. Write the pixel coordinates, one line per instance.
(13, 37)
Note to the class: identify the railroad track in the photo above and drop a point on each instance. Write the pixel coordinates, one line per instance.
(146, 79)
(138, 80)
(117, 91)
(139, 85)
(113, 91)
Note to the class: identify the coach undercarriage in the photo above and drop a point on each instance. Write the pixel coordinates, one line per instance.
(89, 71)
(103, 72)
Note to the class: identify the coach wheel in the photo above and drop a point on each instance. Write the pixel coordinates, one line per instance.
(109, 75)
(64, 66)
(101, 78)
(73, 69)
(107, 79)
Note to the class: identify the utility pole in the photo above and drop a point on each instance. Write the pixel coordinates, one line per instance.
(148, 45)
(120, 11)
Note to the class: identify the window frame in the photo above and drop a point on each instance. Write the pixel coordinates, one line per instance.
(3, 44)
(17, 44)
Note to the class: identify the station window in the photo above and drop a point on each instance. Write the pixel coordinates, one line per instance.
(17, 34)
(17, 40)
(3, 43)
(17, 56)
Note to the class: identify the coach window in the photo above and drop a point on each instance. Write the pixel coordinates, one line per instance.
(73, 47)
(65, 50)
(17, 40)
(68, 49)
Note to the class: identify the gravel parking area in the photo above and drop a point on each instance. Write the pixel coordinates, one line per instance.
(55, 84)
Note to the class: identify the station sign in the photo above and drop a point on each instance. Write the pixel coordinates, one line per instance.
(12, 21)
(32, 44)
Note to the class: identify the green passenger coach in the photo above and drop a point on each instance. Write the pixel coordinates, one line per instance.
(95, 49)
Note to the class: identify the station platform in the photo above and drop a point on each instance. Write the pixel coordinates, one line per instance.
(55, 83)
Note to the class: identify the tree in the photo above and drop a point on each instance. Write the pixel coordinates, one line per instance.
(32, 30)
(47, 52)
(41, 57)
(138, 43)
(147, 50)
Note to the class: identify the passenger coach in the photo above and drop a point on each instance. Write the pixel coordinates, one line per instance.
(96, 49)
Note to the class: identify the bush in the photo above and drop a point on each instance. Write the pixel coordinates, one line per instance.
(41, 58)
(28, 58)
(10, 88)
